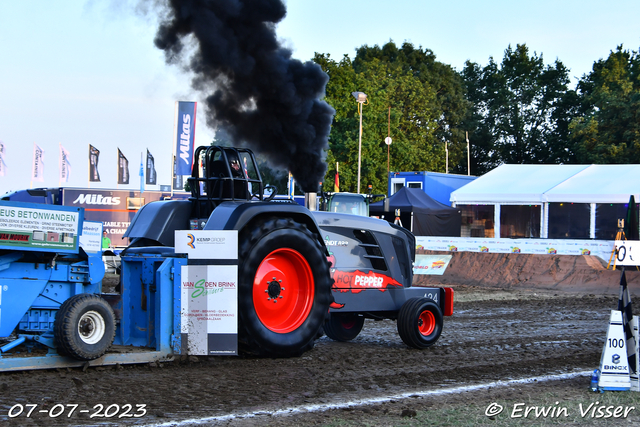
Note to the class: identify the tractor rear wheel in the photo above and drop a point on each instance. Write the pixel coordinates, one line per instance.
(284, 288)
(84, 327)
(420, 322)
(343, 326)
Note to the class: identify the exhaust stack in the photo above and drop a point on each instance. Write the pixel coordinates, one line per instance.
(311, 201)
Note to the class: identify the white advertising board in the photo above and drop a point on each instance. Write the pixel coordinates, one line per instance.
(207, 244)
(600, 248)
(431, 264)
(209, 309)
(91, 237)
(627, 252)
(28, 225)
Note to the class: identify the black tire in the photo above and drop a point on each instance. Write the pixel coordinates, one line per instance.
(420, 322)
(274, 321)
(84, 327)
(343, 326)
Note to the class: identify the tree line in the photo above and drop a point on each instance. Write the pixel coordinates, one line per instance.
(517, 111)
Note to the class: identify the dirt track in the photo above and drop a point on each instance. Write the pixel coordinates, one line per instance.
(494, 335)
(488, 340)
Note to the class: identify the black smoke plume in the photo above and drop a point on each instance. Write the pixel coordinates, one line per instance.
(254, 90)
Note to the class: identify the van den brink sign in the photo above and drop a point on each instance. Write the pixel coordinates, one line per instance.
(209, 292)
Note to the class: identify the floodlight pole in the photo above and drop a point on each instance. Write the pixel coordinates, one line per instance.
(361, 97)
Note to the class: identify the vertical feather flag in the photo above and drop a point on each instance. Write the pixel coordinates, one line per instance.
(336, 185)
(94, 156)
(151, 170)
(141, 173)
(37, 171)
(3, 165)
(65, 165)
(624, 305)
(123, 168)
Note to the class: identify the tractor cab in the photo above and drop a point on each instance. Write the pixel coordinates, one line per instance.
(223, 174)
(351, 203)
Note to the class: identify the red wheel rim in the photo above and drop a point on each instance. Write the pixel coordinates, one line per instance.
(283, 290)
(426, 323)
(348, 322)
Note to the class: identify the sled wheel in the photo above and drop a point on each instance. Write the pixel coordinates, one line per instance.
(420, 322)
(343, 327)
(84, 327)
(284, 288)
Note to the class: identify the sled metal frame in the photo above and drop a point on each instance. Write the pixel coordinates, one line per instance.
(162, 323)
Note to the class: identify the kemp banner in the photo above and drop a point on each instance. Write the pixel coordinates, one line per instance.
(185, 126)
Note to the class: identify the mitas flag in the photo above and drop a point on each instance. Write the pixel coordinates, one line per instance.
(123, 168)
(94, 156)
(624, 305)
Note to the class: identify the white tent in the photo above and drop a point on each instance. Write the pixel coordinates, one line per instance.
(545, 184)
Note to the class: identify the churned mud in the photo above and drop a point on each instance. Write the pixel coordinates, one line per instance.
(496, 334)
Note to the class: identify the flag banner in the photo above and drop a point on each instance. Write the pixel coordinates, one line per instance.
(624, 305)
(151, 170)
(123, 168)
(3, 165)
(177, 179)
(185, 126)
(94, 156)
(336, 184)
(141, 173)
(65, 165)
(37, 172)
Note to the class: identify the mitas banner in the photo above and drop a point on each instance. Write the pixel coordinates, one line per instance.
(185, 125)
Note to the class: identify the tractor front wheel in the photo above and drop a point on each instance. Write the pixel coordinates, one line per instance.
(420, 322)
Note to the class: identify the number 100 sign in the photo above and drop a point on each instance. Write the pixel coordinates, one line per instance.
(627, 252)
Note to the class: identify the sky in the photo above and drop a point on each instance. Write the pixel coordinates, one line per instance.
(76, 73)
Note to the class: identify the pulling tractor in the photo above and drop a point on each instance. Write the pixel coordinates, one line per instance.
(289, 273)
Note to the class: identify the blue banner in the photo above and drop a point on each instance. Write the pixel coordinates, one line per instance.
(185, 136)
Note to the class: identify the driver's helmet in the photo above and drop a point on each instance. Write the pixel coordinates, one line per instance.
(234, 164)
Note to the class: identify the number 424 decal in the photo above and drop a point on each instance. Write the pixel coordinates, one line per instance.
(432, 295)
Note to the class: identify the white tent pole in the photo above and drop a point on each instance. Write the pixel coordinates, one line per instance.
(592, 222)
(544, 221)
(496, 221)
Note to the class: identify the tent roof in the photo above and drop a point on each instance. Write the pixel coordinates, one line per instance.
(412, 200)
(552, 183)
